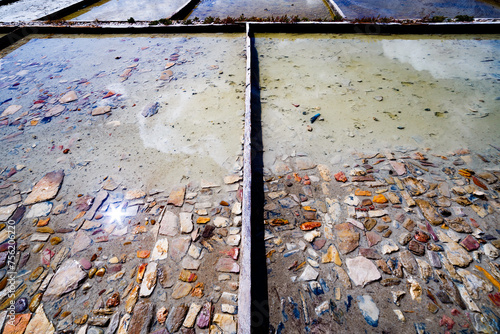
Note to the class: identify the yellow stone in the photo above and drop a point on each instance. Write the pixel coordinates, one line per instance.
(55, 240)
(45, 229)
(379, 199)
(202, 220)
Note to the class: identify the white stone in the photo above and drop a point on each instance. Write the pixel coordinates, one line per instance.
(221, 222)
(7, 211)
(233, 240)
(491, 251)
(186, 220)
(310, 236)
(236, 210)
(389, 246)
(227, 308)
(194, 309)
(453, 235)
(39, 210)
(309, 274)
(322, 308)
(160, 250)
(400, 315)
(368, 309)
(149, 281)
(352, 200)
(190, 264)
(362, 271)
(194, 251)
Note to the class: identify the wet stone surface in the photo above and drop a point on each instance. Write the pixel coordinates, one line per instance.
(113, 235)
(435, 282)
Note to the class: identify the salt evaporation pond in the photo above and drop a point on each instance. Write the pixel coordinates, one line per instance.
(417, 10)
(122, 10)
(143, 136)
(311, 9)
(352, 196)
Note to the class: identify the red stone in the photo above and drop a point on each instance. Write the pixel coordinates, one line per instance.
(340, 177)
(470, 243)
(309, 226)
(421, 236)
(446, 321)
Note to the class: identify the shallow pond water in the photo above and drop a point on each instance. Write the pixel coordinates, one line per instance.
(122, 10)
(349, 123)
(79, 104)
(30, 10)
(416, 10)
(312, 9)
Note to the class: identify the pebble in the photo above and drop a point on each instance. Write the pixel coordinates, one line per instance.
(368, 309)
(176, 317)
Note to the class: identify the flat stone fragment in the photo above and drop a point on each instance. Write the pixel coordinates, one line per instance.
(176, 196)
(227, 265)
(205, 315)
(457, 255)
(230, 179)
(149, 281)
(470, 243)
(98, 200)
(11, 200)
(101, 110)
(368, 309)
(434, 259)
(141, 318)
(459, 225)
(69, 277)
(429, 212)
(309, 274)
(226, 322)
(169, 224)
(179, 248)
(186, 221)
(68, 97)
(362, 271)
(194, 309)
(181, 289)
(373, 238)
(7, 211)
(221, 222)
(17, 325)
(46, 188)
(348, 238)
(389, 246)
(40, 324)
(113, 324)
(331, 255)
(416, 248)
(408, 261)
(343, 277)
(304, 163)
(190, 263)
(370, 253)
(324, 172)
(82, 241)
(11, 110)
(160, 250)
(176, 317)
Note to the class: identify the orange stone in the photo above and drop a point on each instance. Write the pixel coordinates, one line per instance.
(308, 208)
(80, 215)
(18, 326)
(202, 220)
(43, 222)
(379, 199)
(224, 203)
(140, 272)
(359, 192)
(309, 226)
(143, 254)
(140, 229)
(297, 177)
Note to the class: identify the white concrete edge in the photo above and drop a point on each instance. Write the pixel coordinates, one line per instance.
(245, 298)
(337, 8)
